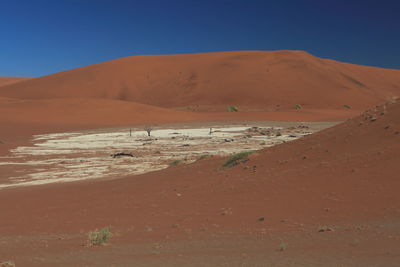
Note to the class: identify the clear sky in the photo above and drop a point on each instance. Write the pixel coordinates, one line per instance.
(39, 37)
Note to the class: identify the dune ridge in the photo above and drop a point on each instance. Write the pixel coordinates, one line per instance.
(10, 80)
(268, 80)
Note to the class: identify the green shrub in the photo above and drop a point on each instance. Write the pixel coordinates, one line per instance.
(298, 106)
(100, 236)
(203, 157)
(282, 246)
(175, 162)
(347, 106)
(232, 109)
(237, 158)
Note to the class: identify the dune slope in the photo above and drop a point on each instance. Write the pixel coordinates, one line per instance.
(345, 177)
(267, 80)
(10, 80)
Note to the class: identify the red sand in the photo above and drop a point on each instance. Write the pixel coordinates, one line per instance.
(344, 179)
(264, 86)
(248, 78)
(10, 80)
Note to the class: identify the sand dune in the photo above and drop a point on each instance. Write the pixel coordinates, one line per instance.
(11, 80)
(342, 177)
(250, 79)
(89, 112)
(342, 180)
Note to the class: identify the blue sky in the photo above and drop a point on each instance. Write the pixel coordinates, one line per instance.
(42, 37)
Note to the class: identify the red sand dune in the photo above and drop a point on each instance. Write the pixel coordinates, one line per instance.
(11, 80)
(345, 177)
(248, 79)
(108, 94)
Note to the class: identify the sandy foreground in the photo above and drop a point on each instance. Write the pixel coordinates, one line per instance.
(328, 198)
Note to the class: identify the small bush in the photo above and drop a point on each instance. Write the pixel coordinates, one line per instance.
(298, 106)
(232, 109)
(282, 246)
(347, 106)
(325, 229)
(100, 236)
(237, 158)
(175, 162)
(203, 157)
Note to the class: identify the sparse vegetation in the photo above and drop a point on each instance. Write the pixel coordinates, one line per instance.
(203, 157)
(325, 228)
(237, 158)
(99, 236)
(232, 109)
(298, 106)
(175, 162)
(347, 106)
(282, 246)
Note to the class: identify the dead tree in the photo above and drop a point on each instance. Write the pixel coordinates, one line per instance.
(148, 129)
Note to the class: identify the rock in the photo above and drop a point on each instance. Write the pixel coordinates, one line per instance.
(261, 219)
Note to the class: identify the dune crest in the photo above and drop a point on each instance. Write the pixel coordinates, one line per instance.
(10, 80)
(268, 80)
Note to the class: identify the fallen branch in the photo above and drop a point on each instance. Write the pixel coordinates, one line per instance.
(121, 154)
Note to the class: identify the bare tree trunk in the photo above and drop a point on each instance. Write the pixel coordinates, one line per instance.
(148, 130)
